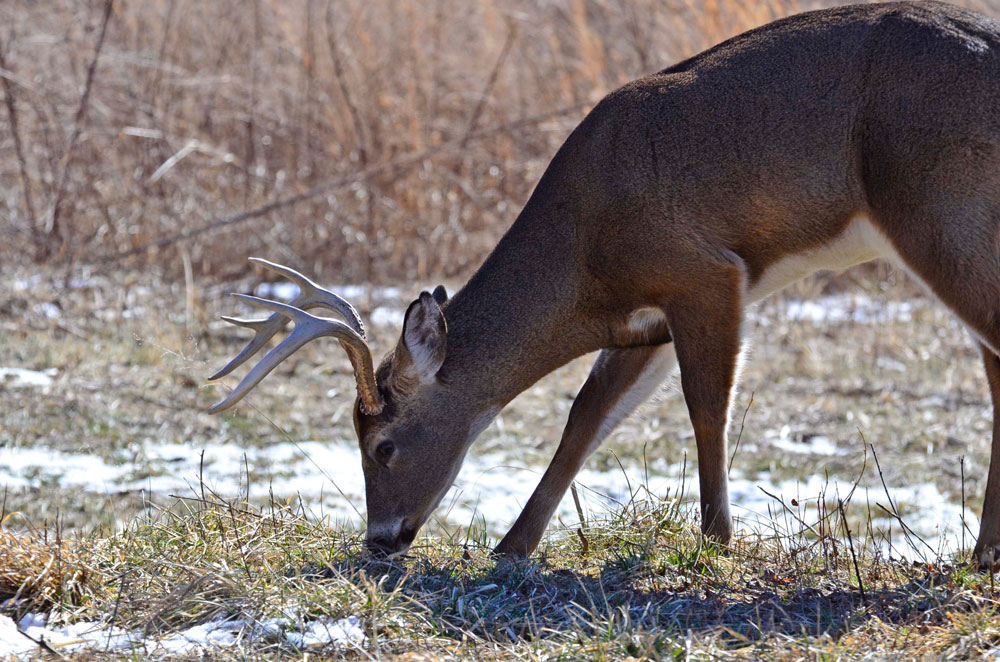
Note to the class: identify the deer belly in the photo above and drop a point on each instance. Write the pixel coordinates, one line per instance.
(860, 242)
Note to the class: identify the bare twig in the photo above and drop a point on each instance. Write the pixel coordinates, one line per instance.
(584, 541)
(894, 512)
(394, 167)
(743, 423)
(22, 162)
(53, 228)
(576, 502)
(792, 512)
(850, 546)
(344, 89)
(490, 82)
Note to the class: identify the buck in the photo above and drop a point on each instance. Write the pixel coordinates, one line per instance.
(819, 141)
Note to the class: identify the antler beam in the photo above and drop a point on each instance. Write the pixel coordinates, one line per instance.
(310, 295)
(307, 327)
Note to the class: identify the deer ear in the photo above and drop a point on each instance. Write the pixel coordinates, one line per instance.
(440, 295)
(420, 351)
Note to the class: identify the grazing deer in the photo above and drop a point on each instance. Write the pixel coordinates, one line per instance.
(815, 142)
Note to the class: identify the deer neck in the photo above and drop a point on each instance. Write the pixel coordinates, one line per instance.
(519, 317)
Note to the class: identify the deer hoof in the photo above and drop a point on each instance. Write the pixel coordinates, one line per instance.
(987, 557)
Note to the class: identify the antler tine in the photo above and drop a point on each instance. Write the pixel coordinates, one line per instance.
(256, 325)
(309, 327)
(264, 330)
(310, 295)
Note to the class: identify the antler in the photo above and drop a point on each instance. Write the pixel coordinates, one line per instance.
(307, 327)
(310, 295)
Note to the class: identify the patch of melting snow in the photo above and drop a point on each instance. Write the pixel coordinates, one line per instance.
(282, 291)
(810, 444)
(23, 467)
(220, 633)
(15, 645)
(22, 284)
(498, 491)
(48, 309)
(285, 291)
(351, 292)
(319, 633)
(206, 635)
(20, 377)
(815, 445)
(386, 316)
(849, 308)
(934, 523)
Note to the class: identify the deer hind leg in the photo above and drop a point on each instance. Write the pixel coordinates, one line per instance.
(987, 552)
(957, 260)
(620, 381)
(707, 335)
(979, 310)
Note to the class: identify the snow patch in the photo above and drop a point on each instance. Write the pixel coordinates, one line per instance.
(810, 444)
(346, 631)
(285, 291)
(386, 316)
(19, 377)
(849, 308)
(48, 309)
(22, 467)
(18, 641)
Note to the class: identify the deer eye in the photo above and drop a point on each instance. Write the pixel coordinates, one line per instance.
(384, 451)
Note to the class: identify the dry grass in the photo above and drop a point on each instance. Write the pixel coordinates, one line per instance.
(374, 140)
(38, 572)
(643, 585)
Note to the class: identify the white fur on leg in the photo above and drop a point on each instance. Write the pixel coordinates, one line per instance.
(657, 370)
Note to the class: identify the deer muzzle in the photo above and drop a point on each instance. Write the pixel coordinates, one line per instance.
(392, 540)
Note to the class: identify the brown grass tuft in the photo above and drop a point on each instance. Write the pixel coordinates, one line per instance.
(37, 572)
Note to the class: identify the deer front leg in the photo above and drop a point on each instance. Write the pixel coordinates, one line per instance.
(987, 551)
(706, 335)
(620, 381)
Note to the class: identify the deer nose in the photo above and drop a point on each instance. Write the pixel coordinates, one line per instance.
(386, 545)
(381, 546)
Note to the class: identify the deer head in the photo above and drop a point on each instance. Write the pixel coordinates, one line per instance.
(412, 435)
